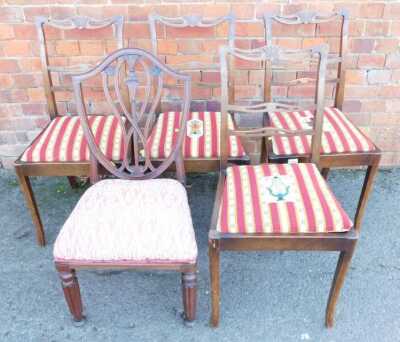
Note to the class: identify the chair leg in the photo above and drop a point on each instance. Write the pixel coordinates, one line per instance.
(189, 295)
(73, 182)
(337, 283)
(366, 190)
(72, 292)
(213, 254)
(26, 189)
(325, 172)
(180, 170)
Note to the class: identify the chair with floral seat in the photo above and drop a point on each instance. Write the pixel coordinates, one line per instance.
(277, 206)
(134, 221)
(201, 145)
(60, 149)
(343, 143)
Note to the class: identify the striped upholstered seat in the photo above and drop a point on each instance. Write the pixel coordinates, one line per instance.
(279, 198)
(339, 135)
(63, 140)
(201, 139)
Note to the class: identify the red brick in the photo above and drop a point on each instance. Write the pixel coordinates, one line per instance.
(31, 13)
(104, 33)
(25, 31)
(17, 48)
(355, 77)
(36, 95)
(10, 14)
(30, 64)
(190, 32)
(352, 105)
(386, 45)
(13, 96)
(393, 60)
(6, 81)
(92, 48)
(25, 81)
(372, 10)
(361, 91)
(6, 31)
(356, 28)
(373, 105)
(379, 76)
(34, 108)
(9, 66)
(67, 48)
(167, 47)
(371, 61)
(263, 8)
(389, 91)
(134, 30)
(243, 11)
(301, 91)
(62, 12)
(362, 45)
(249, 29)
(392, 11)
(192, 46)
(380, 28)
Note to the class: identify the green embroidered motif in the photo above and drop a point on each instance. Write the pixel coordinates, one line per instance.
(278, 188)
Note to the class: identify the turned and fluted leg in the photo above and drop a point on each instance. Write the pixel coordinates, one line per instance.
(72, 292)
(337, 283)
(213, 254)
(26, 189)
(189, 295)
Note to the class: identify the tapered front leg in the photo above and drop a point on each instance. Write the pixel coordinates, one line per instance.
(72, 292)
(26, 189)
(189, 294)
(337, 283)
(213, 254)
(325, 172)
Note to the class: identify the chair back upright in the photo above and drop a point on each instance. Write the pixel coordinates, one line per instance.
(316, 21)
(277, 59)
(134, 72)
(74, 26)
(205, 71)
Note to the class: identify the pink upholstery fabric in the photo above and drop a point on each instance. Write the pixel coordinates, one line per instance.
(121, 220)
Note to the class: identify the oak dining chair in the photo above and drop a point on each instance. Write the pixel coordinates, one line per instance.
(285, 207)
(201, 144)
(132, 221)
(343, 143)
(60, 149)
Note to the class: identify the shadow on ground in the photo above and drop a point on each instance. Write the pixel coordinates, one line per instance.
(265, 297)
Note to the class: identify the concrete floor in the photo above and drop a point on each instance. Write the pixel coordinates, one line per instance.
(265, 296)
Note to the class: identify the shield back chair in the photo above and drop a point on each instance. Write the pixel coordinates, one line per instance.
(343, 143)
(132, 221)
(201, 144)
(285, 207)
(60, 148)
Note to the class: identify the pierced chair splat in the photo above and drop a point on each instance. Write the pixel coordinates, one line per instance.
(103, 231)
(60, 149)
(201, 143)
(277, 206)
(343, 143)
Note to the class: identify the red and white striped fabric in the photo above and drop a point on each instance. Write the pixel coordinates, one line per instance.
(63, 140)
(339, 134)
(248, 207)
(166, 130)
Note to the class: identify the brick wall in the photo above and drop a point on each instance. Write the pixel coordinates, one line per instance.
(372, 96)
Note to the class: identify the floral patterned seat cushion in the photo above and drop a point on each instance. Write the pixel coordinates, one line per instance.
(117, 220)
(201, 139)
(63, 140)
(279, 198)
(339, 134)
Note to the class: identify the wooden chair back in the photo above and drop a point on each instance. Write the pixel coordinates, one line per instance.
(136, 71)
(73, 23)
(309, 17)
(188, 22)
(277, 59)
